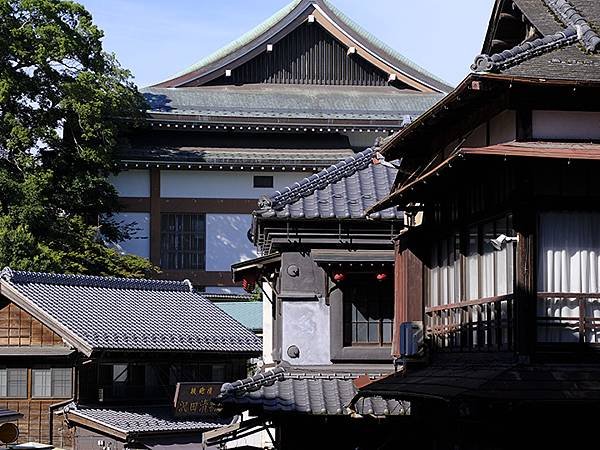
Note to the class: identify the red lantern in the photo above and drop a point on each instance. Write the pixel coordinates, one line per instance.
(248, 285)
(339, 277)
(381, 276)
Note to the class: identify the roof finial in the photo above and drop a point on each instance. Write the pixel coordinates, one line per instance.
(189, 283)
(6, 273)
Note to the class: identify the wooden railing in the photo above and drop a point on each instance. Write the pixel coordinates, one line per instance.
(477, 325)
(568, 318)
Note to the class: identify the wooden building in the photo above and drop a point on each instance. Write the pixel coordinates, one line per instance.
(303, 90)
(326, 272)
(92, 362)
(502, 270)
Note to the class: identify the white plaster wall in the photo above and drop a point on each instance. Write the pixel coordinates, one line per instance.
(139, 244)
(267, 337)
(132, 183)
(503, 127)
(566, 125)
(306, 325)
(227, 240)
(226, 184)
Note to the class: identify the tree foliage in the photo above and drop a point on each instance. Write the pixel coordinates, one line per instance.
(63, 101)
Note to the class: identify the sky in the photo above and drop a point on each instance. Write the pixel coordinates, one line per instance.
(155, 39)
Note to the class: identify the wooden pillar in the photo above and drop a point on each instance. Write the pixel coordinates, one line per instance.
(408, 290)
(525, 224)
(155, 216)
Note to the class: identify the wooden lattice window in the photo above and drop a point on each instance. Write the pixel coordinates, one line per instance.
(183, 241)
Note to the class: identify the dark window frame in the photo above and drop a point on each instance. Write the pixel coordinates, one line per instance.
(339, 350)
(263, 181)
(182, 241)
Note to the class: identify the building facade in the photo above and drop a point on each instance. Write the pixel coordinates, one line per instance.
(326, 273)
(502, 271)
(93, 362)
(300, 92)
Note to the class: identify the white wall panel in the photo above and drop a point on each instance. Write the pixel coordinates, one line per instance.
(226, 184)
(132, 183)
(227, 240)
(566, 125)
(139, 244)
(503, 127)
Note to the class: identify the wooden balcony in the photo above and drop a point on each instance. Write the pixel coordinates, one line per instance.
(477, 325)
(568, 318)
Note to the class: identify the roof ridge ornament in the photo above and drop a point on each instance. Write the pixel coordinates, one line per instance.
(6, 273)
(572, 18)
(524, 51)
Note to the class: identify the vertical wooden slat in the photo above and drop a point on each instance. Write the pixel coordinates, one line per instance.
(155, 216)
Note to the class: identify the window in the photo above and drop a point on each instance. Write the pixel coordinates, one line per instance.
(466, 266)
(13, 383)
(182, 241)
(368, 310)
(261, 181)
(54, 383)
(568, 278)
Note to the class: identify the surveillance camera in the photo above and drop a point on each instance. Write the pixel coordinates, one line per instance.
(500, 242)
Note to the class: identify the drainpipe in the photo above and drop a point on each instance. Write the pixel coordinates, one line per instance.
(51, 409)
(73, 399)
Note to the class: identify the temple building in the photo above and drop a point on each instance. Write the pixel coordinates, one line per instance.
(303, 90)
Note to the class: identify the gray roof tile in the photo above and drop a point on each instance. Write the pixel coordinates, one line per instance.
(342, 191)
(291, 102)
(142, 420)
(323, 394)
(568, 48)
(128, 314)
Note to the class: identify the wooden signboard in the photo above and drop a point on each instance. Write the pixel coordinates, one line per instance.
(196, 400)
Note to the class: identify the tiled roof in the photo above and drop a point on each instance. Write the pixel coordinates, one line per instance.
(248, 314)
(323, 394)
(95, 313)
(568, 49)
(217, 156)
(287, 14)
(283, 102)
(523, 52)
(343, 191)
(138, 421)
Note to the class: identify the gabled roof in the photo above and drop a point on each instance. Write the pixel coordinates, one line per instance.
(101, 313)
(281, 390)
(562, 40)
(342, 191)
(289, 18)
(137, 422)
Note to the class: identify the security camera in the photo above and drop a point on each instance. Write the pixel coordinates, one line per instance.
(500, 242)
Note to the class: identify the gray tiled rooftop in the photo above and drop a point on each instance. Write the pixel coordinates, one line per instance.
(568, 49)
(325, 394)
(142, 420)
(342, 191)
(128, 314)
(291, 101)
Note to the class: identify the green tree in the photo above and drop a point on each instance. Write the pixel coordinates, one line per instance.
(63, 101)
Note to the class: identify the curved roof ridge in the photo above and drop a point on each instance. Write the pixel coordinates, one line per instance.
(414, 70)
(307, 186)
(238, 43)
(26, 277)
(372, 39)
(519, 53)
